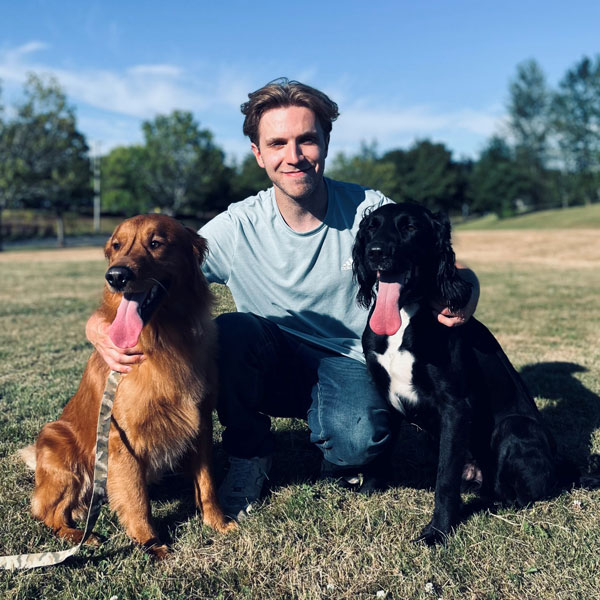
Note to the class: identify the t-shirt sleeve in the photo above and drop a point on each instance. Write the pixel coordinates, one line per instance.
(221, 235)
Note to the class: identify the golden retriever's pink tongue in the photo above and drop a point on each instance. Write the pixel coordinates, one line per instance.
(127, 326)
(385, 319)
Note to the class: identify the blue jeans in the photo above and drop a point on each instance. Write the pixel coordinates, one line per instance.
(265, 372)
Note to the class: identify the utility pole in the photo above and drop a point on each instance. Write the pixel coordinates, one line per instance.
(97, 191)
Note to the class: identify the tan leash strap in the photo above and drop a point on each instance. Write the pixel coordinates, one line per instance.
(48, 559)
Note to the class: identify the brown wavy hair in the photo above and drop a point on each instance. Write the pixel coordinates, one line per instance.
(281, 93)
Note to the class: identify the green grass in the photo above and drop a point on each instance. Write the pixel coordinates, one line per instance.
(569, 218)
(310, 539)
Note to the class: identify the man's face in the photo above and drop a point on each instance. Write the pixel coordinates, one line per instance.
(292, 149)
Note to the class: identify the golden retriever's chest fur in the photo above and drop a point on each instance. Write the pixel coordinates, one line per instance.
(163, 423)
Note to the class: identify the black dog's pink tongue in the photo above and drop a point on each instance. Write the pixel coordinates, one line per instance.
(385, 319)
(127, 326)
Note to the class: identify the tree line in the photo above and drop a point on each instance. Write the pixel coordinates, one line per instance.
(547, 155)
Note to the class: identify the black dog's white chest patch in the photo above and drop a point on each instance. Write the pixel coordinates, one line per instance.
(398, 364)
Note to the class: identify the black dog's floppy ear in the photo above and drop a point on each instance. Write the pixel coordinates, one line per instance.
(363, 276)
(451, 288)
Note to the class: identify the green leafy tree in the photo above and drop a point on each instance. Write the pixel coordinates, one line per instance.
(52, 155)
(248, 179)
(530, 123)
(364, 168)
(12, 150)
(123, 181)
(426, 174)
(576, 110)
(495, 182)
(185, 170)
(4, 181)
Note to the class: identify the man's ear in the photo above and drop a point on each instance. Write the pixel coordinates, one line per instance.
(257, 155)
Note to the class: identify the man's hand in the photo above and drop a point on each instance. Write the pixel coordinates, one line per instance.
(453, 319)
(118, 359)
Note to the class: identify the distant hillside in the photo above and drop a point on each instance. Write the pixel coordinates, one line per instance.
(587, 217)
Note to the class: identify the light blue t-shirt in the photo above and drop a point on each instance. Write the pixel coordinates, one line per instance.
(301, 281)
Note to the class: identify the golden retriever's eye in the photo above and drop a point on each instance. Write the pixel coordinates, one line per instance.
(154, 244)
(116, 245)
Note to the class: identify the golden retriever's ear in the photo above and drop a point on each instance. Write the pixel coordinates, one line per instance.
(199, 245)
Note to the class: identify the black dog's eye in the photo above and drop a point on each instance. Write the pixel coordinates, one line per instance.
(404, 225)
(372, 224)
(154, 244)
(116, 245)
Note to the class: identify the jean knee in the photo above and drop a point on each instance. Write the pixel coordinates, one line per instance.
(355, 441)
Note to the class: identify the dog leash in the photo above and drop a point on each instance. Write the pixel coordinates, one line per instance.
(48, 559)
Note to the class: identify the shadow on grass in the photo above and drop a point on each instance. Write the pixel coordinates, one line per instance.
(573, 413)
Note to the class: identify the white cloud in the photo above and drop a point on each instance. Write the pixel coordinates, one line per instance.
(112, 103)
(156, 70)
(141, 91)
(397, 126)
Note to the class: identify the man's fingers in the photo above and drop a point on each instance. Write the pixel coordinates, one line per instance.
(447, 318)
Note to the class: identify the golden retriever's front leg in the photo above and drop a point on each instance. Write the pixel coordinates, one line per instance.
(128, 497)
(204, 487)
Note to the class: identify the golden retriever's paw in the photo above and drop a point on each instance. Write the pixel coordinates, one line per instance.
(218, 521)
(93, 540)
(156, 549)
(227, 527)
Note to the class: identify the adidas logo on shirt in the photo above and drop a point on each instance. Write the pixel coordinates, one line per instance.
(347, 266)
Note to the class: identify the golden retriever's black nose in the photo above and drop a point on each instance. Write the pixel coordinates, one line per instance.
(119, 277)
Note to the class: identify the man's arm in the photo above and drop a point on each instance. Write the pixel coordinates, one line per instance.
(118, 359)
(460, 317)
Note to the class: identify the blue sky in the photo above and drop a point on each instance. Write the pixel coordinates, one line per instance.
(399, 70)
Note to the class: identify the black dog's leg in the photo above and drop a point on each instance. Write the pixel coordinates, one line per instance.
(454, 437)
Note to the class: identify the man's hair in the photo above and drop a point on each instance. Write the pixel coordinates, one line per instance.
(281, 93)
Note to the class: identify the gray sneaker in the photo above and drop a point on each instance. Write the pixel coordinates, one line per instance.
(243, 485)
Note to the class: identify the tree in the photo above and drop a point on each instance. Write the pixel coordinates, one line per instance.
(51, 154)
(530, 123)
(5, 185)
(248, 179)
(495, 183)
(185, 170)
(123, 185)
(426, 174)
(364, 168)
(576, 110)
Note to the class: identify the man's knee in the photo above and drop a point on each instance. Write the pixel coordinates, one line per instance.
(354, 441)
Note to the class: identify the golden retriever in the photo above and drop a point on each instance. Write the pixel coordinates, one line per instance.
(156, 296)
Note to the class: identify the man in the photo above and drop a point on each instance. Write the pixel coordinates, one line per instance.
(293, 348)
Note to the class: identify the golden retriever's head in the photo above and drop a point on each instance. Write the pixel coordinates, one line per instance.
(153, 261)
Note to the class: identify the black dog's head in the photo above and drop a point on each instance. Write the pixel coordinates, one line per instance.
(408, 245)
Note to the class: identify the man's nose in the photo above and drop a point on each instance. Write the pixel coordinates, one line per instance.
(294, 153)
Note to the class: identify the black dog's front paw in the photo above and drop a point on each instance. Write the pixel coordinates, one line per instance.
(432, 535)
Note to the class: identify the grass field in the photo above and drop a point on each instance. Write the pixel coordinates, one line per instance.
(581, 217)
(309, 539)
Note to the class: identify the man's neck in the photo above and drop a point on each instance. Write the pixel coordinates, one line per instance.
(306, 214)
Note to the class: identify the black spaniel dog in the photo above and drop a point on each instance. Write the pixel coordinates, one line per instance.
(456, 383)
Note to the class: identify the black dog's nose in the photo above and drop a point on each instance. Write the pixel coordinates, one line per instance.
(375, 252)
(119, 277)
